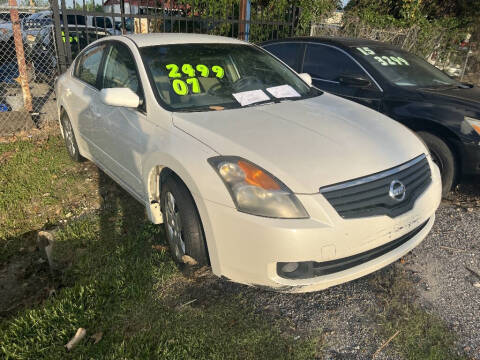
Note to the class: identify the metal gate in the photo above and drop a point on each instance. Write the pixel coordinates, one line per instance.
(81, 23)
(28, 65)
(38, 43)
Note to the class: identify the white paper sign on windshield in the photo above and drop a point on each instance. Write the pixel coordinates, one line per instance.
(250, 97)
(283, 91)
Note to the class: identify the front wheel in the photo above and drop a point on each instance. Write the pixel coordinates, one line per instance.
(183, 226)
(443, 156)
(70, 140)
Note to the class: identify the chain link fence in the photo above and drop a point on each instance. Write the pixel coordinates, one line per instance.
(28, 67)
(461, 61)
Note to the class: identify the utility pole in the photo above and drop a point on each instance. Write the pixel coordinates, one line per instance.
(244, 20)
(122, 12)
(22, 67)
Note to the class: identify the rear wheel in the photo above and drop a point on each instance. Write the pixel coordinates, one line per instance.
(183, 226)
(443, 156)
(70, 140)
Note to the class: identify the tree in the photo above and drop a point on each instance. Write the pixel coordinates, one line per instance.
(466, 12)
(89, 6)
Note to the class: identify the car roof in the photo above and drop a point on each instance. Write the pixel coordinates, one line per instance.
(143, 40)
(339, 41)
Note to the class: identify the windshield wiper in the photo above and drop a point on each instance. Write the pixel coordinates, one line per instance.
(264, 102)
(196, 109)
(442, 87)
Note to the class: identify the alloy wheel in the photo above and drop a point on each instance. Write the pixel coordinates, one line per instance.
(174, 226)
(68, 133)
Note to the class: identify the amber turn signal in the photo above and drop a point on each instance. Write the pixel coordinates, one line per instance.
(256, 177)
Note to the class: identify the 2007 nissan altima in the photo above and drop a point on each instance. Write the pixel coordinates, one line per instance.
(250, 169)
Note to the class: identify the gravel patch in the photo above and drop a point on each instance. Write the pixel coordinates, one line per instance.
(447, 265)
(346, 315)
(343, 315)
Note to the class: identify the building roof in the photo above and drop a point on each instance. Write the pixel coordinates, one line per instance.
(143, 40)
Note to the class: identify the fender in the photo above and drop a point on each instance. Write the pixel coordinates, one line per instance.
(443, 119)
(212, 189)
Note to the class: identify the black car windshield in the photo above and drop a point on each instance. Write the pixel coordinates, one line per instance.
(202, 77)
(403, 68)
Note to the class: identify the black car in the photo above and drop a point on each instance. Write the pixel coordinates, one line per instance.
(38, 20)
(442, 111)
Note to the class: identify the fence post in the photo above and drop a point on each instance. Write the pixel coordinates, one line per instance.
(57, 32)
(22, 67)
(241, 19)
(122, 13)
(466, 62)
(66, 36)
(247, 18)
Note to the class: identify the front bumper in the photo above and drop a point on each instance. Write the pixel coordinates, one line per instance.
(247, 249)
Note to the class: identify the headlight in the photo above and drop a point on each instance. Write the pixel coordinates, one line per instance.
(255, 191)
(474, 123)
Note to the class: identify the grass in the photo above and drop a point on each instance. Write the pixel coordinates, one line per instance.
(421, 335)
(115, 276)
(111, 279)
(39, 185)
(115, 287)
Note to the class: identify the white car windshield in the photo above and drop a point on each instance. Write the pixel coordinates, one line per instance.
(202, 77)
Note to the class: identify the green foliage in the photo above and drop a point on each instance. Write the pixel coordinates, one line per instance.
(266, 16)
(464, 13)
(313, 11)
(424, 31)
(89, 6)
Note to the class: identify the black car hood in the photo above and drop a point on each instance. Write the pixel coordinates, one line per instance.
(463, 95)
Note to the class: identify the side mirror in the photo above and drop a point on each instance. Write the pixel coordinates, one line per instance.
(354, 81)
(123, 97)
(306, 77)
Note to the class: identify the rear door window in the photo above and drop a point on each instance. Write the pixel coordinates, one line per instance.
(328, 64)
(289, 53)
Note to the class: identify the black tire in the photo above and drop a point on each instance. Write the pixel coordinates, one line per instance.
(70, 140)
(187, 216)
(443, 156)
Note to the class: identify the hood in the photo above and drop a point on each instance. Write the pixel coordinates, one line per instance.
(464, 96)
(308, 143)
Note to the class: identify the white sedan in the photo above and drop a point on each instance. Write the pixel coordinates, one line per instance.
(250, 169)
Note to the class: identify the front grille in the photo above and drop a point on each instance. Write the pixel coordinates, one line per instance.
(310, 269)
(369, 196)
